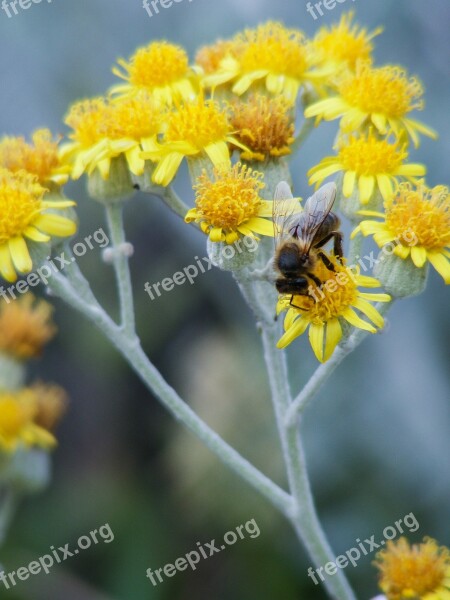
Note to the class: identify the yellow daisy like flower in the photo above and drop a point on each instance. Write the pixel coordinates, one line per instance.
(264, 125)
(327, 307)
(418, 219)
(419, 572)
(25, 327)
(381, 96)
(369, 162)
(160, 69)
(40, 157)
(24, 215)
(345, 43)
(50, 404)
(17, 426)
(208, 58)
(103, 130)
(196, 130)
(271, 54)
(229, 206)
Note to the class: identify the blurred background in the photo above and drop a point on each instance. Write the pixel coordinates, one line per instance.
(377, 438)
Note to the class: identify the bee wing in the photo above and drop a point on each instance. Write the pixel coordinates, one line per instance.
(316, 210)
(286, 212)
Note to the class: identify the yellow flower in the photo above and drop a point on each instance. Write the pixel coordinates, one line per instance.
(229, 205)
(345, 43)
(418, 219)
(17, 427)
(271, 54)
(160, 69)
(197, 129)
(103, 130)
(370, 162)
(418, 572)
(50, 404)
(208, 58)
(24, 215)
(327, 307)
(382, 96)
(39, 158)
(25, 326)
(264, 125)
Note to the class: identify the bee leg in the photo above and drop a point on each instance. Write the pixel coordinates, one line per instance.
(295, 305)
(327, 262)
(315, 279)
(337, 248)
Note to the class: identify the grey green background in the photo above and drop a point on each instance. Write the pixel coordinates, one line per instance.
(377, 437)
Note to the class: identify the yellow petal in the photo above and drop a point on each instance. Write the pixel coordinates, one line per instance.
(366, 184)
(218, 153)
(349, 183)
(385, 186)
(319, 176)
(55, 225)
(33, 234)
(289, 336)
(370, 311)
(261, 226)
(375, 297)
(350, 316)
(20, 255)
(316, 336)
(333, 336)
(167, 168)
(418, 256)
(441, 264)
(6, 267)
(379, 120)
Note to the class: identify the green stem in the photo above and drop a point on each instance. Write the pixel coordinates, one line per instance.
(305, 131)
(114, 215)
(174, 202)
(355, 249)
(7, 508)
(132, 351)
(324, 371)
(304, 520)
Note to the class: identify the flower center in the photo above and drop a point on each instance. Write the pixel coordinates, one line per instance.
(87, 119)
(413, 572)
(371, 156)
(386, 90)
(425, 212)
(264, 125)
(231, 199)
(39, 158)
(13, 416)
(273, 47)
(20, 202)
(209, 57)
(337, 293)
(157, 65)
(200, 124)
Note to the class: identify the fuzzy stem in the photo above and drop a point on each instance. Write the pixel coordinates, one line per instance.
(114, 215)
(132, 351)
(8, 500)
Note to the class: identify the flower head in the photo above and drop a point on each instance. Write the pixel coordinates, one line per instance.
(208, 58)
(264, 125)
(197, 129)
(383, 96)
(40, 157)
(103, 130)
(418, 219)
(419, 572)
(17, 426)
(327, 307)
(229, 205)
(25, 327)
(24, 215)
(160, 69)
(278, 57)
(50, 404)
(371, 163)
(345, 43)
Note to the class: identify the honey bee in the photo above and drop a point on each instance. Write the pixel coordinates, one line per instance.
(299, 237)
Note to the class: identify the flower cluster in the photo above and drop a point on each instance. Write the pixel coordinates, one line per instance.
(28, 414)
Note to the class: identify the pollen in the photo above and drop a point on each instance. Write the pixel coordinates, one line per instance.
(414, 571)
(273, 47)
(369, 155)
(425, 211)
(385, 90)
(209, 57)
(39, 157)
(20, 202)
(157, 65)
(338, 292)
(264, 125)
(87, 118)
(25, 327)
(345, 42)
(231, 198)
(199, 123)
